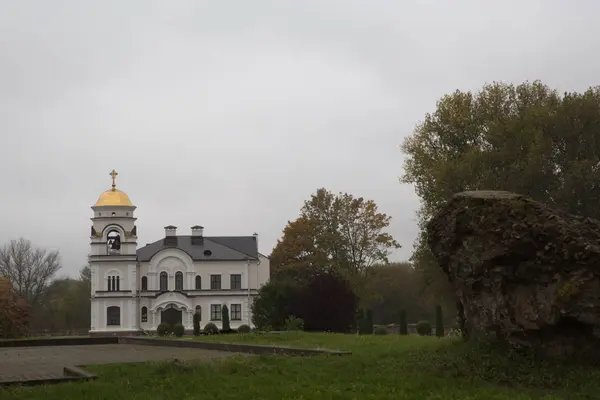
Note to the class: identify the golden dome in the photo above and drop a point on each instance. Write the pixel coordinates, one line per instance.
(113, 197)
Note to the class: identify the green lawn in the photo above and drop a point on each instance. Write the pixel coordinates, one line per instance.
(381, 367)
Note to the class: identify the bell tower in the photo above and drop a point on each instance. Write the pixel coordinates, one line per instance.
(113, 262)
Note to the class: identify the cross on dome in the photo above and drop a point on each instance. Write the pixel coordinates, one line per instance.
(113, 174)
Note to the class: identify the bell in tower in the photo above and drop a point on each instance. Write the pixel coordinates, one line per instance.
(113, 242)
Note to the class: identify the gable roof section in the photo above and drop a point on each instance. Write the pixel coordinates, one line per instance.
(222, 248)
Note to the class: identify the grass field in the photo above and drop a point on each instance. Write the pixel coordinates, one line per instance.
(381, 367)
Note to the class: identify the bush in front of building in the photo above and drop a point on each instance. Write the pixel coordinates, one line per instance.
(179, 330)
(163, 329)
(225, 319)
(211, 329)
(424, 328)
(243, 329)
(197, 324)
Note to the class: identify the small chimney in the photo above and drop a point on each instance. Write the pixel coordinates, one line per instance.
(170, 230)
(255, 235)
(197, 230)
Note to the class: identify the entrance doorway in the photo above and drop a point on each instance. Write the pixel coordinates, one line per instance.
(171, 316)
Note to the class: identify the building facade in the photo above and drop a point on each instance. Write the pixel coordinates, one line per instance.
(135, 289)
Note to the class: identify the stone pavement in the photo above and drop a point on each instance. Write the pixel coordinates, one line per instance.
(24, 363)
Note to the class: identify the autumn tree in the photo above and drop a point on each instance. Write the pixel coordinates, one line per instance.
(29, 269)
(338, 231)
(14, 311)
(527, 139)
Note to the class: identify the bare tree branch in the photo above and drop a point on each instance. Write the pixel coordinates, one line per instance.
(29, 270)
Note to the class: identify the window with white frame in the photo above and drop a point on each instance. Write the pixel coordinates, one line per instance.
(215, 282)
(215, 312)
(236, 312)
(235, 281)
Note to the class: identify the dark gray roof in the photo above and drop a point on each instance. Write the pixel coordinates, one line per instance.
(222, 248)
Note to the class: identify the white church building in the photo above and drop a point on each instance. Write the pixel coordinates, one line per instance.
(135, 289)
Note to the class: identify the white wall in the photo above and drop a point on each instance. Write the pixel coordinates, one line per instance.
(173, 260)
(127, 307)
(102, 270)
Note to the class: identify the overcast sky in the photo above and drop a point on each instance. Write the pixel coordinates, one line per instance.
(229, 114)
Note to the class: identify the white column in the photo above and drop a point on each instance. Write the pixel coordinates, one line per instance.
(133, 315)
(93, 315)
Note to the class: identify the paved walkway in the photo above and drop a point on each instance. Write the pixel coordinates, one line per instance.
(17, 363)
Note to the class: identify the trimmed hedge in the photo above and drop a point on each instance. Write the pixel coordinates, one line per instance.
(179, 330)
(211, 328)
(163, 329)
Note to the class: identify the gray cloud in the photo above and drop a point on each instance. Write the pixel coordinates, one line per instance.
(230, 114)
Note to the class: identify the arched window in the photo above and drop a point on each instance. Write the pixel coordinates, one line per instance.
(113, 242)
(164, 282)
(198, 282)
(113, 283)
(113, 315)
(144, 314)
(144, 283)
(199, 312)
(179, 281)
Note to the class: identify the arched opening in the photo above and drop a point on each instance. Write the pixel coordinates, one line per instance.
(164, 282)
(179, 281)
(171, 315)
(113, 315)
(113, 242)
(144, 283)
(144, 314)
(198, 282)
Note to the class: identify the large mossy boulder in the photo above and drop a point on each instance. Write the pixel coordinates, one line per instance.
(523, 273)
